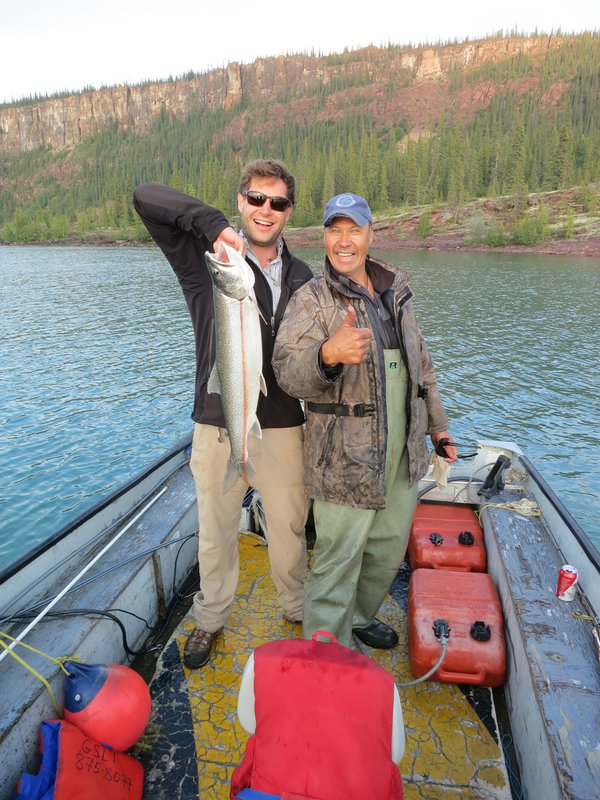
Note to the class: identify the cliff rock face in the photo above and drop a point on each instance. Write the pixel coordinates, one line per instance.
(62, 122)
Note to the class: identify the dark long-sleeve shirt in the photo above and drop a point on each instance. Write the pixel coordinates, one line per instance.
(185, 228)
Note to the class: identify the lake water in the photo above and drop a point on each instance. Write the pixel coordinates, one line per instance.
(96, 359)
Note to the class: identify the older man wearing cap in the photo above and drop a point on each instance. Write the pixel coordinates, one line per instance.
(349, 345)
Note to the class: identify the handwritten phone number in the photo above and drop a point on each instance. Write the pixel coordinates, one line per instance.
(90, 764)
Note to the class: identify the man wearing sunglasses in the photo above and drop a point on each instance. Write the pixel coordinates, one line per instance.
(185, 228)
(350, 346)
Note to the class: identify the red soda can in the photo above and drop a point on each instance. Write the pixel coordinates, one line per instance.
(567, 580)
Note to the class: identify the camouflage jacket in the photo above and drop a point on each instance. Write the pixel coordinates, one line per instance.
(344, 456)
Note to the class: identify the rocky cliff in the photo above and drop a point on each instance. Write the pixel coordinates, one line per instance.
(395, 81)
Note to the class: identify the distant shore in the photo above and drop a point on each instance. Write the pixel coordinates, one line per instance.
(384, 239)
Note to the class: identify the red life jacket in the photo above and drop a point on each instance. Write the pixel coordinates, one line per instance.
(75, 767)
(323, 725)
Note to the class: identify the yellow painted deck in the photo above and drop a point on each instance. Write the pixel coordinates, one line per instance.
(450, 753)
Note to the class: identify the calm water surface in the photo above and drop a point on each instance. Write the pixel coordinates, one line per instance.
(96, 359)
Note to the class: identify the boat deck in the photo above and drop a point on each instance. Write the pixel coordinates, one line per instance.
(453, 748)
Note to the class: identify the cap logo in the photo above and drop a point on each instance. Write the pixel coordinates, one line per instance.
(345, 201)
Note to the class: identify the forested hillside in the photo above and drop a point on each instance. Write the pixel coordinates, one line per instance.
(404, 127)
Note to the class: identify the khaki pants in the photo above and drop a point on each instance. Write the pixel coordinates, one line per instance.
(359, 551)
(277, 460)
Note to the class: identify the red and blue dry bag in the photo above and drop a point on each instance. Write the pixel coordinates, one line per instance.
(75, 767)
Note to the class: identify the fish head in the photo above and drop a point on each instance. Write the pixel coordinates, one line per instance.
(230, 272)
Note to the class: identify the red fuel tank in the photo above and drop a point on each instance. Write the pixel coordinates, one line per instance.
(446, 537)
(469, 603)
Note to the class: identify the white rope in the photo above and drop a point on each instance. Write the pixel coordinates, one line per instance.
(88, 566)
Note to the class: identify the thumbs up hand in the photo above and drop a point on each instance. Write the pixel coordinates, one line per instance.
(348, 345)
(350, 318)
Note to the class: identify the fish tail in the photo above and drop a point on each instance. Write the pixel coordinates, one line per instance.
(233, 471)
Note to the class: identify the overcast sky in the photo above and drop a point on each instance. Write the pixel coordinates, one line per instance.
(55, 45)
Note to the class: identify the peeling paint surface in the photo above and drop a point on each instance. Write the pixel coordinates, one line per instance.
(451, 752)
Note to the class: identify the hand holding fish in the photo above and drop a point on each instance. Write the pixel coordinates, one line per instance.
(349, 344)
(230, 237)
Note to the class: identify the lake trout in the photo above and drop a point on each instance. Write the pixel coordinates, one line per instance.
(237, 372)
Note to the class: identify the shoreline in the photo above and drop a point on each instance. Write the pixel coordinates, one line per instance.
(579, 246)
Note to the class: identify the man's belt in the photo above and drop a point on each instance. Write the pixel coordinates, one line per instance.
(342, 409)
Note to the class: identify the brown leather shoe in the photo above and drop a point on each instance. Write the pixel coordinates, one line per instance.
(198, 646)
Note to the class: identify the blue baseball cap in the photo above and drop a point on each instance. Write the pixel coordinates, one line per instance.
(347, 205)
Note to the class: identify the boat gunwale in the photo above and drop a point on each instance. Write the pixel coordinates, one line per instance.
(574, 527)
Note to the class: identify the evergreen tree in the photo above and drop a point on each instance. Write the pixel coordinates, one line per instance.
(538, 130)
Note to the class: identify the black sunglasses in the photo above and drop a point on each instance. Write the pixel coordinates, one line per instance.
(258, 199)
